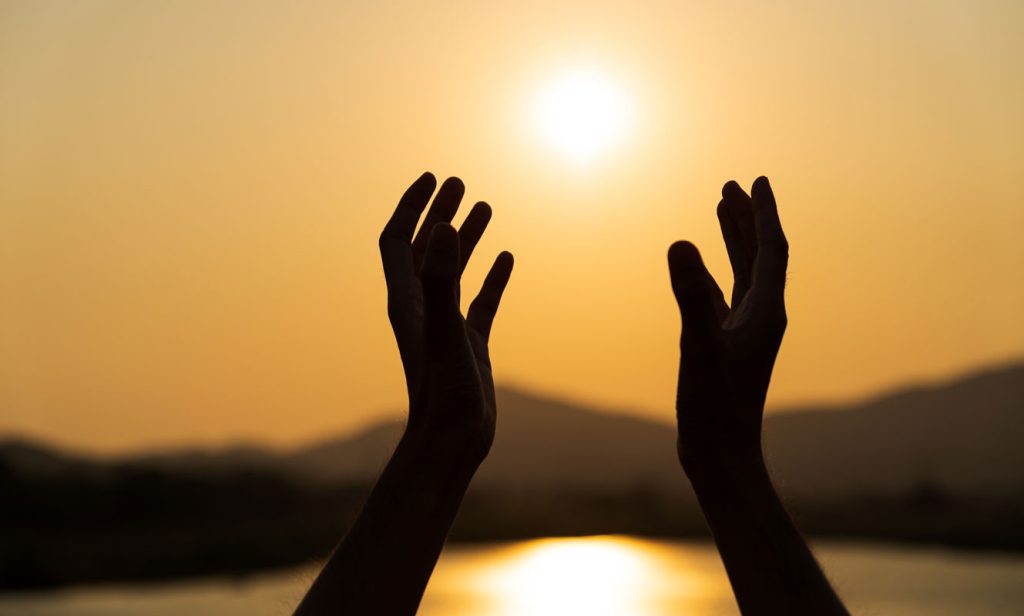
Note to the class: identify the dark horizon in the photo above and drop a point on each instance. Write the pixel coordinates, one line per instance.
(306, 495)
(392, 423)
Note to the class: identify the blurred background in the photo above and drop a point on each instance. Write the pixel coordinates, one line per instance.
(198, 378)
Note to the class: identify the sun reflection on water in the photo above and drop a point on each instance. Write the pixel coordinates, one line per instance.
(596, 576)
(592, 576)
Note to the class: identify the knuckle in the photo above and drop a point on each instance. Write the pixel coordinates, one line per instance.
(482, 308)
(434, 280)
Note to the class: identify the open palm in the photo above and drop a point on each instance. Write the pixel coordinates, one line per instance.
(445, 356)
(727, 353)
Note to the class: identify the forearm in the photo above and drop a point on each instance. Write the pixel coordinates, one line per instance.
(384, 563)
(770, 566)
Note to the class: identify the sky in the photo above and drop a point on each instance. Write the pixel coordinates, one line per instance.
(191, 194)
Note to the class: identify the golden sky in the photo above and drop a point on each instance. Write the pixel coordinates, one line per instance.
(191, 193)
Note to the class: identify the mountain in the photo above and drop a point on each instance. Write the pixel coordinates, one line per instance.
(940, 465)
(540, 443)
(962, 436)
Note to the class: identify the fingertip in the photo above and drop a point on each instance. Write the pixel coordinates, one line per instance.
(418, 193)
(684, 261)
(501, 269)
(723, 209)
(454, 183)
(505, 261)
(444, 236)
(683, 253)
(762, 196)
(482, 209)
(730, 189)
(426, 178)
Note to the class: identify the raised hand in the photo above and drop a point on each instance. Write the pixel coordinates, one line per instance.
(727, 356)
(447, 367)
(384, 563)
(727, 352)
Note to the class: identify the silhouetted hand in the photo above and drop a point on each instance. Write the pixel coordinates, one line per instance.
(447, 368)
(727, 353)
(383, 564)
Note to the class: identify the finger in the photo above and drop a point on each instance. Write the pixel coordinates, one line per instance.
(410, 206)
(446, 203)
(738, 206)
(741, 261)
(693, 291)
(395, 252)
(772, 247)
(485, 306)
(471, 231)
(440, 276)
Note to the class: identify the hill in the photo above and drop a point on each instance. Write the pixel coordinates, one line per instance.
(962, 436)
(938, 464)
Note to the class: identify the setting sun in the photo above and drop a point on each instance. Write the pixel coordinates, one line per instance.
(581, 114)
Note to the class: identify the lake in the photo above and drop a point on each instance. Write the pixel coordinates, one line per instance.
(596, 576)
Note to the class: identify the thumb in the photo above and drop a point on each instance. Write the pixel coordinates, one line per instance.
(440, 278)
(691, 284)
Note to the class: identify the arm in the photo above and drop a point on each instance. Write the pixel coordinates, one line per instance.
(382, 566)
(727, 355)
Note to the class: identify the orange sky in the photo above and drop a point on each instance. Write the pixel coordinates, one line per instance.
(190, 199)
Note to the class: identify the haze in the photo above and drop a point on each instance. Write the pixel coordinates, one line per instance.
(190, 199)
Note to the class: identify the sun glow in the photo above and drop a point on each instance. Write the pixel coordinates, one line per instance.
(581, 114)
(594, 576)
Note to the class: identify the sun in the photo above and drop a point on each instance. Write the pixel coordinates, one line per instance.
(581, 114)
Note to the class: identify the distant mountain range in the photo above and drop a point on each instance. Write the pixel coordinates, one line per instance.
(964, 436)
(941, 465)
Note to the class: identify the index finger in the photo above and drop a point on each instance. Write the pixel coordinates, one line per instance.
(403, 221)
(772, 246)
(396, 238)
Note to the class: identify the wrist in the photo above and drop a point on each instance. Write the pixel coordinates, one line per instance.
(729, 472)
(445, 454)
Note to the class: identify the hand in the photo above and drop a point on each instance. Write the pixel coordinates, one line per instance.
(727, 353)
(447, 368)
(383, 564)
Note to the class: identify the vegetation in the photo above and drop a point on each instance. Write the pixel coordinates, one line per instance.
(133, 522)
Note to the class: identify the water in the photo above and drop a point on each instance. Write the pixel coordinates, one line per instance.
(597, 576)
